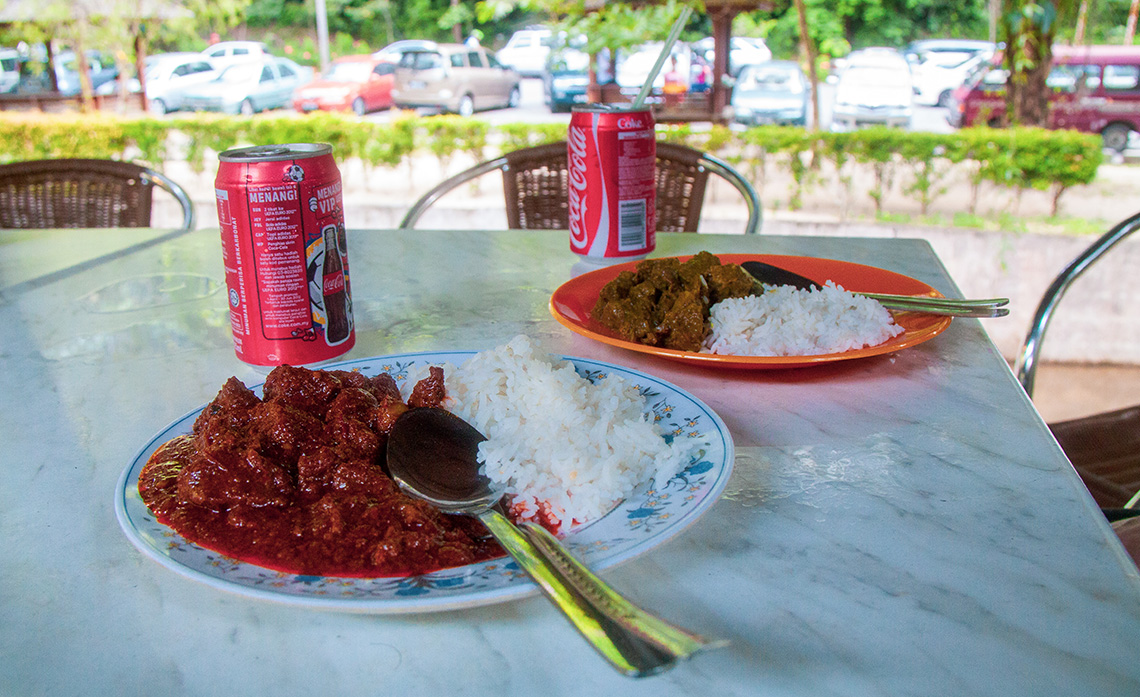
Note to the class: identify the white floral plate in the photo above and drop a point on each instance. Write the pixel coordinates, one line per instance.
(645, 520)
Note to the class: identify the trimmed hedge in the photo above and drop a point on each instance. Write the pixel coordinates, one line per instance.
(1017, 159)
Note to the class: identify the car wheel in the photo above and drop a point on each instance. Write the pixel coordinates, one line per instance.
(466, 106)
(358, 106)
(513, 101)
(944, 98)
(158, 107)
(1116, 137)
(246, 108)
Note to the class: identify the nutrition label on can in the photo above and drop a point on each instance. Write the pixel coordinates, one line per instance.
(279, 261)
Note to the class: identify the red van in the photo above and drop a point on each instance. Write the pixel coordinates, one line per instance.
(1095, 89)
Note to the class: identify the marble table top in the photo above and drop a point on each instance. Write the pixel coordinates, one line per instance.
(896, 525)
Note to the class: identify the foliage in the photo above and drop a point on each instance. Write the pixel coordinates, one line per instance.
(837, 27)
(1027, 28)
(1016, 159)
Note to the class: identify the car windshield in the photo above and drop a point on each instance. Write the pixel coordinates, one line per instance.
(768, 79)
(348, 72)
(874, 76)
(243, 72)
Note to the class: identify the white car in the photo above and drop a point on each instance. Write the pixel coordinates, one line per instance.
(937, 75)
(169, 74)
(875, 87)
(9, 69)
(742, 51)
(526, 51)
(227, 53)
(633, 70)
(249, 87)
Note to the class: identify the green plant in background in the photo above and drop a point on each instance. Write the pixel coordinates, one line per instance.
(837, 147)
(516, 136)
(876, 147)
(1015, 159)
(927, 156)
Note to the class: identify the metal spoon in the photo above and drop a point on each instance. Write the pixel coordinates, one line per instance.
(991, 307)
(432, 455)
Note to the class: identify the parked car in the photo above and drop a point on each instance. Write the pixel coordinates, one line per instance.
(249, 87)
(936, 77)
(919, 51)
(226, 53)
(773, 92)
(394, 51)
(168, 75)
(633, 69)
(527, 50)
(875, 87)
(360, 83)
(454, 77)
(566, 78)
(1095, 89)
(742, 51)
(9, 69)
(102, 70)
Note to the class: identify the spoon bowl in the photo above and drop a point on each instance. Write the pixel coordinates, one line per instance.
(452, 481)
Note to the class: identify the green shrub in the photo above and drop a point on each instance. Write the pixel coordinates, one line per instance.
(1018, 158)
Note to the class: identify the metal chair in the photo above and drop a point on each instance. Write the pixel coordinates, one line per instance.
(1104, 448)
(535, 188)
(81, 193)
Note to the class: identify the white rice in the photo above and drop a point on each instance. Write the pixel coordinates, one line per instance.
(561, 445)
(785, 321)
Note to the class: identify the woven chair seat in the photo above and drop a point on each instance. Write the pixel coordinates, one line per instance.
(82, 193)
(536, 184)
(1104, 448)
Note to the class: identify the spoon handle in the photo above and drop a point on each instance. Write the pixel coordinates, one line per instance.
(650, 627)
(626, 650)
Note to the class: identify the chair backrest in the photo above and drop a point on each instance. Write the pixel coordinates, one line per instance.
(1026, 366)
(82, 193)
(536, 182)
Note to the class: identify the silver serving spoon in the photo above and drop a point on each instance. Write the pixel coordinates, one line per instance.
(990, 307)
(432, 455)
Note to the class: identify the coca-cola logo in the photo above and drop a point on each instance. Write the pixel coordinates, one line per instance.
(333, 283)
(577, 196)
(626, 123)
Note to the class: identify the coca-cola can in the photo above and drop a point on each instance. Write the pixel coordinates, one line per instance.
(281, 212)
(612, 158)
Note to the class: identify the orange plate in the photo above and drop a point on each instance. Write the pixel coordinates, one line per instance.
(572, 302)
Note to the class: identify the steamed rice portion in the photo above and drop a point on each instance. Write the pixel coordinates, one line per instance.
(785, 321)
(563, 446)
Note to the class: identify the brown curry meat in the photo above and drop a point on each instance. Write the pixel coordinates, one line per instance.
(295, 481)
(666, 303)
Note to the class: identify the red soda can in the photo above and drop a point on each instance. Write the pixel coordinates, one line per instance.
(286, 259)
(612, 158)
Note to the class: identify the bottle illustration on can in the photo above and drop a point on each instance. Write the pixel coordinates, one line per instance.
(333, 291)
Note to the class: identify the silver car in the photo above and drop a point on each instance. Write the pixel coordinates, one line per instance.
(249, 87)
(454, 77)
(168, 75)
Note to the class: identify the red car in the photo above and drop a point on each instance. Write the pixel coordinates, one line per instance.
(361, 83)
(1095, 89)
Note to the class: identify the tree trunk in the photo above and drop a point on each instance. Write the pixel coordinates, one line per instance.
(1130, 28)
(456, 29)
(813, 76)
(1027, 58)
(1082, 22)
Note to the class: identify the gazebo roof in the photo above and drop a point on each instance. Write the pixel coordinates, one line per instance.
(49, 11)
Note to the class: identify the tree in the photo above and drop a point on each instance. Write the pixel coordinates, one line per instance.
(1027, 27)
